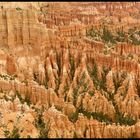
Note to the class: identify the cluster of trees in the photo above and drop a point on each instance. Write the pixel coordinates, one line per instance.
(132, 36)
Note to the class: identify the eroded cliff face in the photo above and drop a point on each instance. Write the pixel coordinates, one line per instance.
(20, 28)
(59, 78)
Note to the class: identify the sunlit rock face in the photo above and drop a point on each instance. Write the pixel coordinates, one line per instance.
(69, 70)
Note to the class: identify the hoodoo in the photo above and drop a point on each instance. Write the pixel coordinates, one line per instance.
(69, 70)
